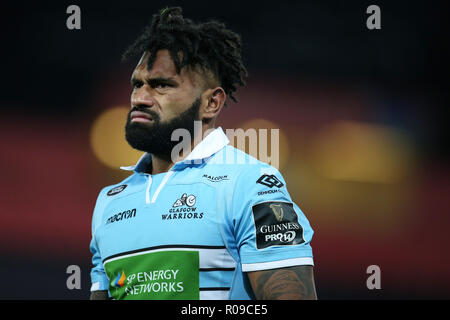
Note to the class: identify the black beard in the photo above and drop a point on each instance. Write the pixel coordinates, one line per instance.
(156, 137)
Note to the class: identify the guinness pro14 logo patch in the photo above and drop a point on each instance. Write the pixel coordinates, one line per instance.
(276, 224)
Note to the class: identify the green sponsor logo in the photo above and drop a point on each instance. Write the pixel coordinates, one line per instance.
(163, 275)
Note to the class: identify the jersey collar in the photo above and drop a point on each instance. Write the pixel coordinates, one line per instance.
(211, 144)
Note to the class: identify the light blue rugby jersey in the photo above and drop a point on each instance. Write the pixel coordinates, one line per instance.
(190, 233)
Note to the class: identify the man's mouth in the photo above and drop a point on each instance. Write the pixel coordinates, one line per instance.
(139, 116)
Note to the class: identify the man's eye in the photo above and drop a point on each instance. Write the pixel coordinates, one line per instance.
(161, 85)
(137, 84)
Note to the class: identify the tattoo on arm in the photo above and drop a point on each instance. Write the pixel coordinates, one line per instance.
(293, 283)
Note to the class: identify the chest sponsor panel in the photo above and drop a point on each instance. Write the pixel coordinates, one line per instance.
(175, 271)
(162, 275)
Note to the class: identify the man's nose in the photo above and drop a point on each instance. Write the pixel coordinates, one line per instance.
(142, 98)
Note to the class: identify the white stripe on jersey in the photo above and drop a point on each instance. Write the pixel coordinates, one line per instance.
(246, 267)
(209, 258)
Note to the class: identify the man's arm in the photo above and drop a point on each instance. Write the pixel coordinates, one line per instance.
(293, 283)
(99, 295)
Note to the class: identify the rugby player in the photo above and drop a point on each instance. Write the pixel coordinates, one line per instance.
(195, 224)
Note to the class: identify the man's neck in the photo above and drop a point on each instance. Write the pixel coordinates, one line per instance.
(159, 165)
(162, 164)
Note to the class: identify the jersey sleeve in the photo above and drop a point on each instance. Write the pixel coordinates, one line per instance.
(270, 229)
(99, 280)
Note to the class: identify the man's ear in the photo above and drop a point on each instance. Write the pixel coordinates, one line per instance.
(215, 100)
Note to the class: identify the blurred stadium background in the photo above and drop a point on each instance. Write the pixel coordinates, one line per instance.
(363, 144)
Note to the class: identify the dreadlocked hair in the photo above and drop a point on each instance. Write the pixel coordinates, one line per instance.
(209, 45)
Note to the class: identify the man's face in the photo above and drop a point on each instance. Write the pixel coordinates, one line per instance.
(161, 102)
